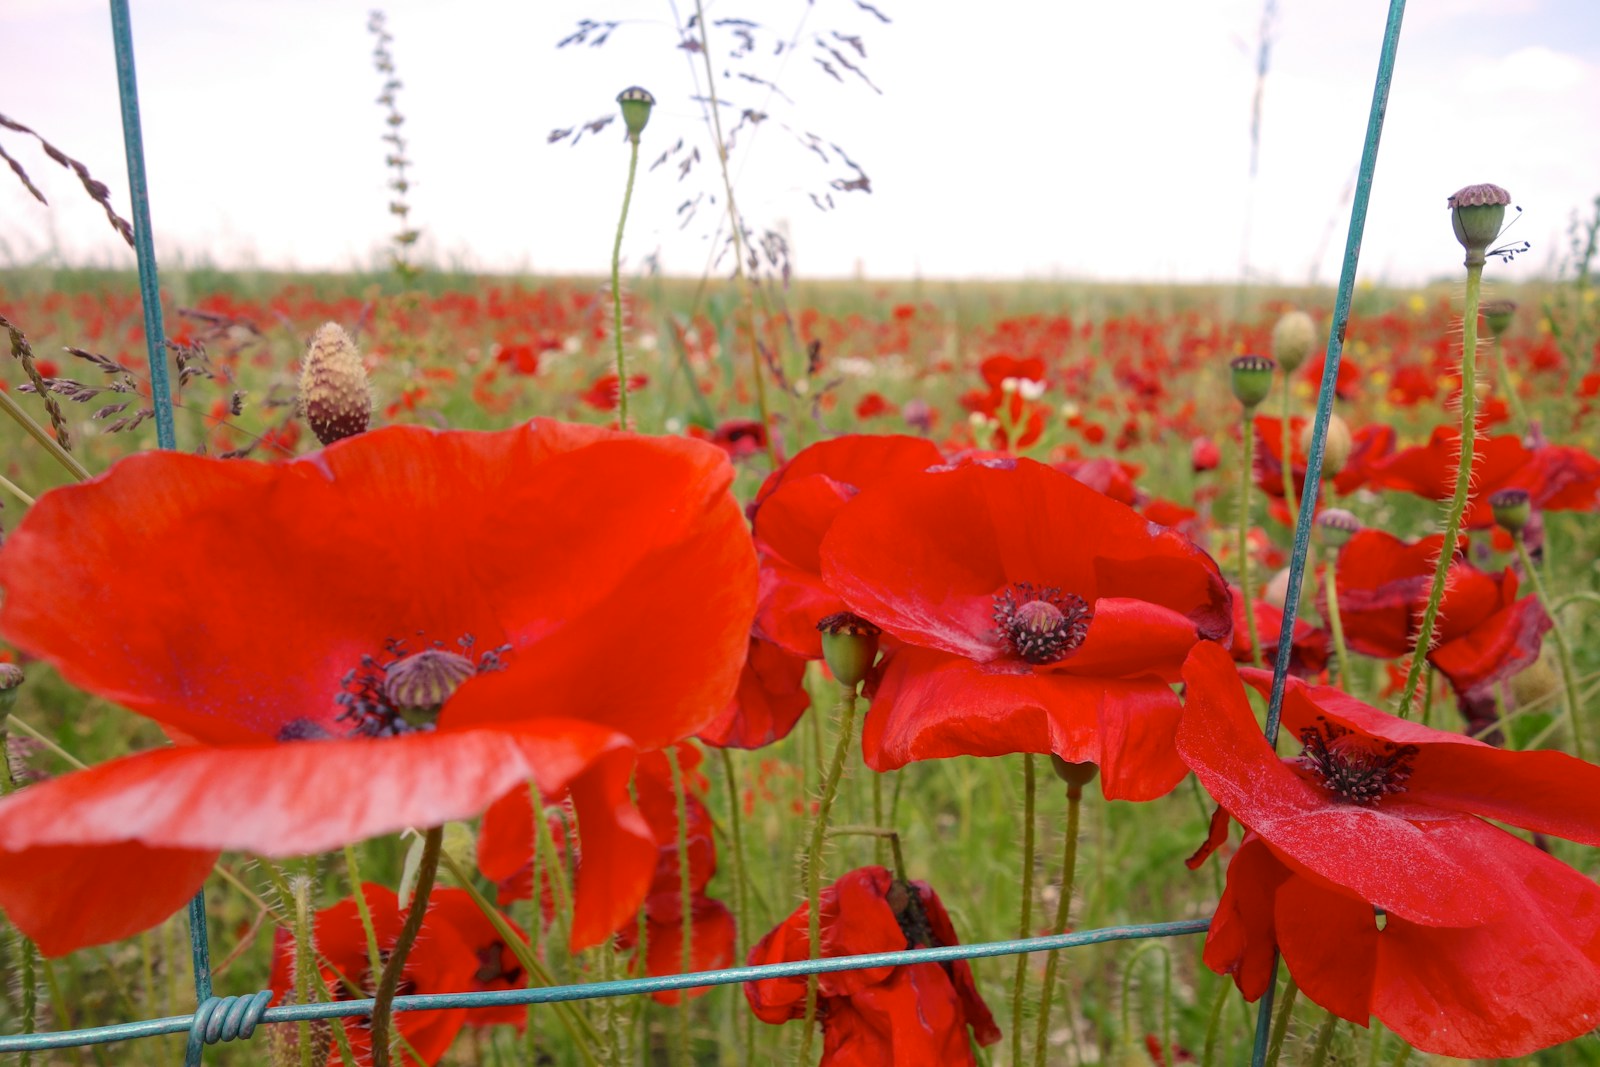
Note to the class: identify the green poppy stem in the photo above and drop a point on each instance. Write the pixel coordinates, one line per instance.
(1025, 924)
(1569, 685)
(1248, 433)
(1280, 1025)
(1458, 502)
(1289, 496)
(616, 286)
(819, 832)
(389, 984)
(1069, 869)
(686, 901)
(1319, 1052)
(1335, 621)
(741, 877)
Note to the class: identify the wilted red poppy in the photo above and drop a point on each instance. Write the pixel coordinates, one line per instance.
(440, 962)
(1035, 615)
(793, 510)
(505, 855)
(1485, 945)
(1556, 477)
(909, 1014)
(306, 625)
(1483, 632)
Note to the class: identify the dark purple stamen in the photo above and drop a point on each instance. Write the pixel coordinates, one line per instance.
(1360, 769)
(1041, 624)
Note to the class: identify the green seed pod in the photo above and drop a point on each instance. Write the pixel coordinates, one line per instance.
(1336, 525)
(849, 645)
(636, 104)
(1076, 775)
(1292, 339)
(1476, 213)
(1252, 379)
(1512, 509)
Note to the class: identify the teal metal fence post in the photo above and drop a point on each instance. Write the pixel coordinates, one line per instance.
(1319, 433)
(160, 389)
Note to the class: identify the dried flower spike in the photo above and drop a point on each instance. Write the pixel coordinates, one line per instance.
(334, 396)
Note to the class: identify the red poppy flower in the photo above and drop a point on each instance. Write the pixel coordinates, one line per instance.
(498, 966)
(505, 856)
(1486, 946)
(871, 406)
(1204, 455)
(1112, 477)
(1483, 632)
(1369, 446)
(1035, 615)
(1556, 477)
(911, 1014)
(304, 623)
(794, 509)
(605, 392)
(440, 962)
(739, 438)
(770, 699)
(1309, 652)
(1268, 473)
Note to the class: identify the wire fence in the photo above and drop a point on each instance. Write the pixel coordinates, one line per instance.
(230, 1018)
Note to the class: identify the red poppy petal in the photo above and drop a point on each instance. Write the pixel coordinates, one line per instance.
(617, 855)
(1330, 942)
(1132, 637)
(791, 522)
(791, 604)
(711, 942)
(1412, 866)
(1501, 645)
(1525, 982)
(930, 706)
(860, 460)
(1242, 940)
(63, 898)
(770, 699)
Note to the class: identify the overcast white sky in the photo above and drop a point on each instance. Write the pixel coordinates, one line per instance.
(1012, 138)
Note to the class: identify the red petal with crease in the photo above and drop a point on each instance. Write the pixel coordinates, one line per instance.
(1329, 941)
(770, 700)
(1242, 941)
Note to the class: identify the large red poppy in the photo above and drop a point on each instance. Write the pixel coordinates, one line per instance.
(1483, 634)
(440, 962)
(909, 1014)
(271, 613)
(1486, 947)
(1556, 477)
(1033, 614)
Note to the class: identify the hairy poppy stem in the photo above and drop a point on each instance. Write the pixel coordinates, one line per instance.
(389, 984)
(1289, 496)
(686, 902)
(1069, 870)
(1569, 685)
(374, 953)
(1280, 1025)
(1208, 1054)
(819, 831)
(1248, 433)
(877, 816)
(1025, 925)
(305, 951)
(616, 286)
(741, 889)
(1319, 1053)
(1458, 502)
(1335, 621)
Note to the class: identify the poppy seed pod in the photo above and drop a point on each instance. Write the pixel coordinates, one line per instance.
(10, 684)
(636, 104)
(334, 397)
(1337, 526)
(1076, 775)
(1336, 446)
(1497, 315)
(1476, 213)
(1512, 509)
(1252, 379)
(1292, 339)
(849, 645)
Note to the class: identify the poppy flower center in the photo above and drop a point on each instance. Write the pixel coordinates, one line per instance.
(403, 693)
(1361, 770)
(910, 915)
(1041, 624)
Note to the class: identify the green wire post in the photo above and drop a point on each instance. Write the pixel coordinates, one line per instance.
(1319, 432)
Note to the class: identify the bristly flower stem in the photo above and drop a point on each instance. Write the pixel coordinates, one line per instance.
(1248, 433)
(741, 877)
(1290, 497)
(1025, 924)
(389, 984)
(686, 903)
(1569, 685)
(616, 286)
(1069, 869)
(1335, 620)
(819, 832)
(1458, 502)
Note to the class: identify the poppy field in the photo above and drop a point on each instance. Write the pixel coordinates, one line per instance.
(886, 617)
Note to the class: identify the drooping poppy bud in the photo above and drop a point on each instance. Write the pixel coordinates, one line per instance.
(1252, 379)
(1476, 214)
(1292, 339)
(1497, 314)
(849, 646)
(334, 396)
(636, 104)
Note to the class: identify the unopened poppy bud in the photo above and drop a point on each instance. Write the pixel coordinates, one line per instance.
(1337, 526)
(460, 843)
(1204, 455)
(849, 645)
(1292, 339)
(1252, 379)
(1497, 315)
(1476, 213)
(1512, 509)
(1276, 591)
(10, 686)
(334, 396)
(636, 104)
(1335, 447)
(1076, 775)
